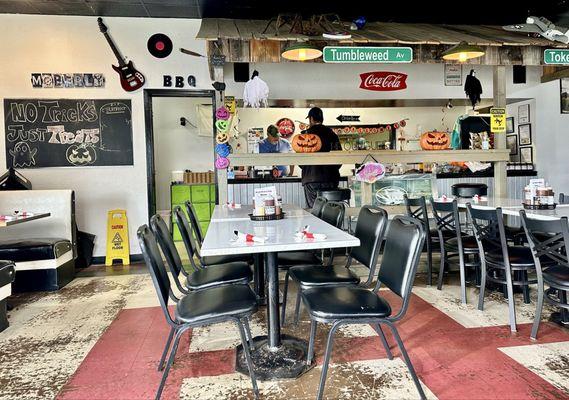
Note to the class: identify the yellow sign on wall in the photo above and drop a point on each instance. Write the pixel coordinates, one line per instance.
(498, 120)
(117, 238)
(230, 104)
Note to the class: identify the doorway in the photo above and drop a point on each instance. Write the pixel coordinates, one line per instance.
(179, 136)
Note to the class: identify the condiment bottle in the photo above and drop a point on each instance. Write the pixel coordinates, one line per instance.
(270, 206)
(278, 205)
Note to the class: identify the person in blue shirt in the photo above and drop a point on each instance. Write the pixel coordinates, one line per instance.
(273, 143)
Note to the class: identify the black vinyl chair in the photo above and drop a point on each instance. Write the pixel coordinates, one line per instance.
(549, 241)
(317, 206)
(198, 308)
(345, 305)
(500, 263)
(200, 278)
(454, 243)
(417, 208)
(196, 231)
(370, 229)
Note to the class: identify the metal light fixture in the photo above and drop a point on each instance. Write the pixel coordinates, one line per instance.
(462, 52)
(302, 51)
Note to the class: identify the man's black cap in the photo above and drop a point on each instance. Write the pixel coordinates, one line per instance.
(316, 114)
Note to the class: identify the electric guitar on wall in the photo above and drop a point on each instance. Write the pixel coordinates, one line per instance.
(131, 79)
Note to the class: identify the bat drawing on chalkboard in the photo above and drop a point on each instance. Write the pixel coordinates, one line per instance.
(79, 155)
(23, 155)
(131, 79)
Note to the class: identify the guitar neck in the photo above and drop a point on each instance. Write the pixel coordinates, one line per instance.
(116, 51)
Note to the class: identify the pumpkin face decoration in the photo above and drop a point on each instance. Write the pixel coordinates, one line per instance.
(222, 125)
(435, 141)
(222, 137)
(222, 113)
(306, 143)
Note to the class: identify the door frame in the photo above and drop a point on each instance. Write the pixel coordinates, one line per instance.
(149, 94)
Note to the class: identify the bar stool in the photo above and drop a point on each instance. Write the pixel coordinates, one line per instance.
(549, 241)
(454, 243)
(501, 263)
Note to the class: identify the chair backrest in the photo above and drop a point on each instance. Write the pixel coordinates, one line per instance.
(563, 198)
(317, 206)
(417, 208)
(489, 231)
(403, 246)
(186, 233)
(548, 239)
(196, 227)
(333, 213)
(446, 217)
(153, 259)
(370, 229)
(162, 234)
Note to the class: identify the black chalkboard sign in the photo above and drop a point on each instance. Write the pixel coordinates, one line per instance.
(67, 133)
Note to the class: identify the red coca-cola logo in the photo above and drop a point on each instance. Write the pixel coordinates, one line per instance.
(383, 81)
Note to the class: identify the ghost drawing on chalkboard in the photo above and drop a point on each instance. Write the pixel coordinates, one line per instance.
(23, 155)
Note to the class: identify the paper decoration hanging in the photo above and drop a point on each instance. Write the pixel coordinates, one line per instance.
(370, 172)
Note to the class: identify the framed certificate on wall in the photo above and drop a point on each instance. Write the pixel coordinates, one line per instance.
(523, 114)
(525, 134)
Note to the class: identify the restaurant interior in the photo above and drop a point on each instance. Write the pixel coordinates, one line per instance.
(287, 200)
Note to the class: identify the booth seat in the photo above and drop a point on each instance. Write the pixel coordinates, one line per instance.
(7, 274)
(43, 250)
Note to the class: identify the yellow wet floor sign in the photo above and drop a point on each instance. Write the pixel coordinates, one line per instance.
(117, 238)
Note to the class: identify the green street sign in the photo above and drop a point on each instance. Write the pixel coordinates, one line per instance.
(556, 56)
(371, 55)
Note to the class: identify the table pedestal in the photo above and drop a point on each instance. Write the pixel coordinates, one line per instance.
(274, 356)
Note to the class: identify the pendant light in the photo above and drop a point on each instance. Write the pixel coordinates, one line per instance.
(463, 52)
(301, 51)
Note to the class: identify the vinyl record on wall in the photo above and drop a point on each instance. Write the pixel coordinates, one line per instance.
(159, 45)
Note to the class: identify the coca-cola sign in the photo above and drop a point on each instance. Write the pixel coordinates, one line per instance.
(383, 81)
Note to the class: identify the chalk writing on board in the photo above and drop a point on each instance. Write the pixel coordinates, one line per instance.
(67, 132)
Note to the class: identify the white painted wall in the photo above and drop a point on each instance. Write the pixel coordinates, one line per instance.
(33, 43)
(341, 81)
(512, 111)
(177, 147)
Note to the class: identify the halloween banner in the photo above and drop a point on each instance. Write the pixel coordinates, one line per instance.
(67, 132)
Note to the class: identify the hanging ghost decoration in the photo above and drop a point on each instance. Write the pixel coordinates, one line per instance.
(256, 93)
(473, 88)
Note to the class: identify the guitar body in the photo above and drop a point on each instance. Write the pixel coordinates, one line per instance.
(130, 78)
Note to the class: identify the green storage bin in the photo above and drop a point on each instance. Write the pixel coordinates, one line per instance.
(200, 193)
(212, 193)
(212, 206)
(204, 226)
(176, 235)
(203, 211)
(180, 194)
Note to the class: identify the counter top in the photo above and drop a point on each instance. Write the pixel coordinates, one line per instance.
(286, 179)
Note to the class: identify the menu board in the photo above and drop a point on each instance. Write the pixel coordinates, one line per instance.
(67, 133)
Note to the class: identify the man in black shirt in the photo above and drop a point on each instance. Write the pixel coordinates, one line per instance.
(320, 177)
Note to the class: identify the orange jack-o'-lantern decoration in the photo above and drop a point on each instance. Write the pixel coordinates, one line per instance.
(435, 140)
(306, 143)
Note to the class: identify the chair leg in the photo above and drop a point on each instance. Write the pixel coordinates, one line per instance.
(407, 360)
(248, 333)
(166, 348)
(538, 308)
(482, 285)
(248, 358)
(285, 294)
(462, 277)
(297, 306)
(511, 303)
(442, 268)
(311, 340)
(327, 354)
(429, 260)
(524, 275)
(379, 331)
(170, 362)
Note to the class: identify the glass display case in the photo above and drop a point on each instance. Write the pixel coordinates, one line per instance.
(391, 189)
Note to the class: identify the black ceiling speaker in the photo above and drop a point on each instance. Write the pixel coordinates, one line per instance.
(241, 72)
(519, 74)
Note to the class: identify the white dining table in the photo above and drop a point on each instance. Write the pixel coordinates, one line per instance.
(512, 207)
(227, 213)
(274, 355)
